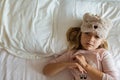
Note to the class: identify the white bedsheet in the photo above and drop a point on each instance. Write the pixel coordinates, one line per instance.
(33, 30)
(15, 68)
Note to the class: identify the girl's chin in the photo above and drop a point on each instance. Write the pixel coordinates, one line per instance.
(89, 48)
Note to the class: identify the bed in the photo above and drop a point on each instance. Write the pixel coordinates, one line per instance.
(33, 31)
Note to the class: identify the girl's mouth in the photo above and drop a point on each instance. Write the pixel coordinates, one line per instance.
(89, 44)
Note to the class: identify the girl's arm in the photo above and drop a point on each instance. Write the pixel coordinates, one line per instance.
(109, 72)
(109, 68)
(91, 71)
(54, 68)
(57, 64)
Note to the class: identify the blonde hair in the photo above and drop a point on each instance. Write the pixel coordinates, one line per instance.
(73, 37)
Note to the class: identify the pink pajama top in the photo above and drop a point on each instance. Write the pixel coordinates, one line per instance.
(99, 59)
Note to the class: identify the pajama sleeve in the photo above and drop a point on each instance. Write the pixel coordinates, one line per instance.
(109, 68)
(64, 57)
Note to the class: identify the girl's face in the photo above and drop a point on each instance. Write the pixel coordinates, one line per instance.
(90, 40)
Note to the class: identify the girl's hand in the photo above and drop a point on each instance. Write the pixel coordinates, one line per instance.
(75, 65)
(80, 59)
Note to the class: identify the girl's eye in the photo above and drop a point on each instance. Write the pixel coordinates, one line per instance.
(87, 33)
(97, 37)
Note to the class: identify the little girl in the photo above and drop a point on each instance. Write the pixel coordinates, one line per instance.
(87, 57)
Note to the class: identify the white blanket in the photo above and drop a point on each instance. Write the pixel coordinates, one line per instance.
(36, 29)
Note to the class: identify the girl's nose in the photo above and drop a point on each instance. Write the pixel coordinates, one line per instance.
(91, 38)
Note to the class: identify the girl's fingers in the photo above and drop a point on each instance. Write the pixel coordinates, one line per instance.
(81, 69)
(77, 66)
